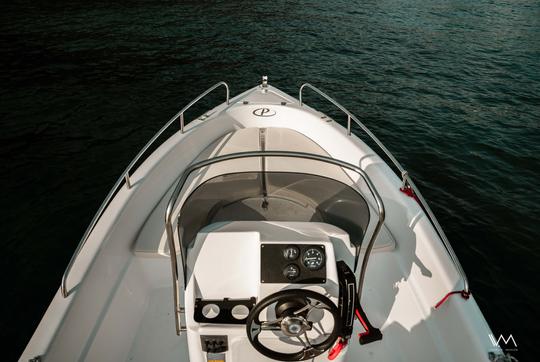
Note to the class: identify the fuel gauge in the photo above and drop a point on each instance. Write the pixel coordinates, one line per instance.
(291, 271)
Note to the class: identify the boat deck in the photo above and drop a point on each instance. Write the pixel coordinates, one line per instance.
(388, 296)
(116, 298)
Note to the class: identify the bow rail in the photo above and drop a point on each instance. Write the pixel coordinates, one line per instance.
(125, 179)
(406, 179)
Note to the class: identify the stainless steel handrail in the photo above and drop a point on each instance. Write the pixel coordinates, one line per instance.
(178, 309)
(209, 90)
(407, 181)
(438, 228)
(356, 120)
(126, 178)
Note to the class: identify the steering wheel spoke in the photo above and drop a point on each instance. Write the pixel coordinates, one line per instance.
(308, 307)
(306, 344)
(271, 325)
(309, 350)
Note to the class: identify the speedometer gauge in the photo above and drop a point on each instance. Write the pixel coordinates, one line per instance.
(313, 259)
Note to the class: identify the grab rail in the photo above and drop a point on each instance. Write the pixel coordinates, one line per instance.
(125, 178)
(178, 309)
(353, 117)
(209, 90)
(406, 179)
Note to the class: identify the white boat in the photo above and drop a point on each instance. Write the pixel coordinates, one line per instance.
(288, 239)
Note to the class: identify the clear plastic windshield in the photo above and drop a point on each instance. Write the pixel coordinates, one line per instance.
(274, 196)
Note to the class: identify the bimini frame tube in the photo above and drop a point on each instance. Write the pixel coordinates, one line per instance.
(178, 309)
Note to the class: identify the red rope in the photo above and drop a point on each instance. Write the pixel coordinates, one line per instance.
(465, 295)
(407, 190)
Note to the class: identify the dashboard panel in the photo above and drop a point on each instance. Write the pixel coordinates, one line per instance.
(293, 263)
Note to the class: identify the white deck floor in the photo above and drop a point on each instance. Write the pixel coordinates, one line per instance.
(388, 293)
(157, 325)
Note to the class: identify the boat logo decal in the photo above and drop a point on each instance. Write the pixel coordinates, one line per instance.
(264, 112)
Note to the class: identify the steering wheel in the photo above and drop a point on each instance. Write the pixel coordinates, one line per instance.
(292, 309)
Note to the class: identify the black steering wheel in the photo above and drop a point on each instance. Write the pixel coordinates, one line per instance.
(292, 309)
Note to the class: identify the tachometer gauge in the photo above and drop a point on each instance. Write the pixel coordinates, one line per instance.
(313, 259)
(291, 271)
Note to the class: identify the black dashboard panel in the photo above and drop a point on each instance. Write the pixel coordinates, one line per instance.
(275, 262)
(225, 310)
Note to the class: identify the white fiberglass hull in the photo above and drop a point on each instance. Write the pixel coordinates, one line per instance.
(120, 297)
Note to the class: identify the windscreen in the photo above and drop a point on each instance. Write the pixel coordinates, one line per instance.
(274, 196)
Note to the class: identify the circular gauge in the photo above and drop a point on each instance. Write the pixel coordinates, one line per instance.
(291, 271)
(291, 252)
(240, 312)
(210, 311)
(313, 259)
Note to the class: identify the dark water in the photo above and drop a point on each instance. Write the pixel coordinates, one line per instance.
(451, 87)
